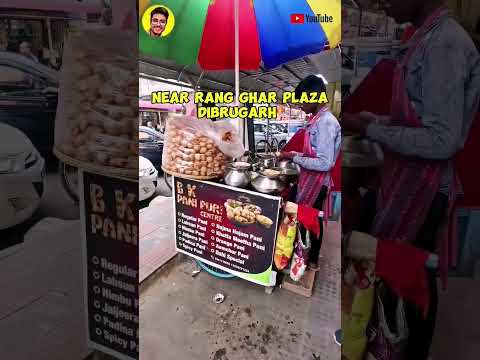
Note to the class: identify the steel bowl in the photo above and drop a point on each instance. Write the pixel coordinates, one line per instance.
(268, 184)
(266, 161)
(287, 175)
(288, 164)
(237, 174)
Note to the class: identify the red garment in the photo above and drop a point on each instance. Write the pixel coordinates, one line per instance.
(336, 174)
(308, 217)
(407, 35)
(464, 161)
(408, 185)
(402, 267)
(310, 182)
(284, 194)
(374, 93)
(296, 142)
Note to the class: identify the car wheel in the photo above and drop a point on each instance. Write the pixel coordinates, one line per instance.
(168, 180)
(69, 177)
(262, 146)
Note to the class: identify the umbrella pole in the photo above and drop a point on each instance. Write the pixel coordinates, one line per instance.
(240, 124)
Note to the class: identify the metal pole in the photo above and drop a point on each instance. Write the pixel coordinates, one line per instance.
(240, 124)
(50, 42)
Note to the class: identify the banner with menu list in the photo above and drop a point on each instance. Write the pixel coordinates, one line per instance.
(109, 218)
(228, 228)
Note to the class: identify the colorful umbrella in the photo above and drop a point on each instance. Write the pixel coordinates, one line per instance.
(272, 31)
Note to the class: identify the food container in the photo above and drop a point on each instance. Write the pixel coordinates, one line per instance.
(237, 174)
(97, 116)
(198, 149)
(266, 161)
(288, 164)
(252, 159)
(287, 175)
(268, 182)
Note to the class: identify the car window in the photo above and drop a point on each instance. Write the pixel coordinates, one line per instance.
(259, 128)
(145, 137)
(149, 116)
(14, 80)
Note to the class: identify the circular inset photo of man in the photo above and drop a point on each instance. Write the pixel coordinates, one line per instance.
(158, 21)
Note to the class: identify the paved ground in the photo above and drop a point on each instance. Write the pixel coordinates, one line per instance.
(55, 203)
(162, 190)
(41, 281)
(156, 235)
(41, 303)
(180, 320)
(456, 335)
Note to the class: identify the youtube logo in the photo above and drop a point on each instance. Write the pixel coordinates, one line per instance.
(297, 18)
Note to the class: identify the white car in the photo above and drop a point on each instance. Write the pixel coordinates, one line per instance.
(260, 130)
(22, 177)
(147, 178)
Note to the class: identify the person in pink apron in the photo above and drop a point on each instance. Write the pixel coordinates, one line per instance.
(434, 100)
(321, 145)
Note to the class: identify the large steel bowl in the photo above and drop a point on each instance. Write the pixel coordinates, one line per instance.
(288, 164)
(268, 184)
(287, 175)
(237, 175)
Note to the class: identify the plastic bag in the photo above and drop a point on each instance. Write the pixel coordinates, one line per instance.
(385, 343)
(285, 240)
(233, 147)
(199, 148)
(97, 117)
(300, 256)
(358, 293)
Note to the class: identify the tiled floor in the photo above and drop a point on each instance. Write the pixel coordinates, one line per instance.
(157, 244)
(457, 335)
(41, 299)
(179, 319)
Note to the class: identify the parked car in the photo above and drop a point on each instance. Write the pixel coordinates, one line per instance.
(147, 179)
(28, 99)
(151, 145)
(22, 177)
(275, 133)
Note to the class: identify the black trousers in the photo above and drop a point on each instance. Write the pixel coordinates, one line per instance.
(316, 242)
(421, 329)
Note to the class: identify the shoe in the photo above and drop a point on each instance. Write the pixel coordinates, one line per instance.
(313, 266)
(337, 336)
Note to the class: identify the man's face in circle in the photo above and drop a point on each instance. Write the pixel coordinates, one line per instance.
(157, 24)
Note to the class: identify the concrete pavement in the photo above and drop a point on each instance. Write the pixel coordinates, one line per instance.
(180, 321)
(55, 203)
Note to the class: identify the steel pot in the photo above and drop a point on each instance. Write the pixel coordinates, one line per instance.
(237, 174)
(288, 164)
(266, 161)
(287, 175)
(268, 184)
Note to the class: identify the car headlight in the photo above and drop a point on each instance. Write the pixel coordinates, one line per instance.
(147, 171)
(11, 165)
(31, 159)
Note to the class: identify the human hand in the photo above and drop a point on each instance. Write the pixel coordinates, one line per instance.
(357, 123)
(289, 155)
